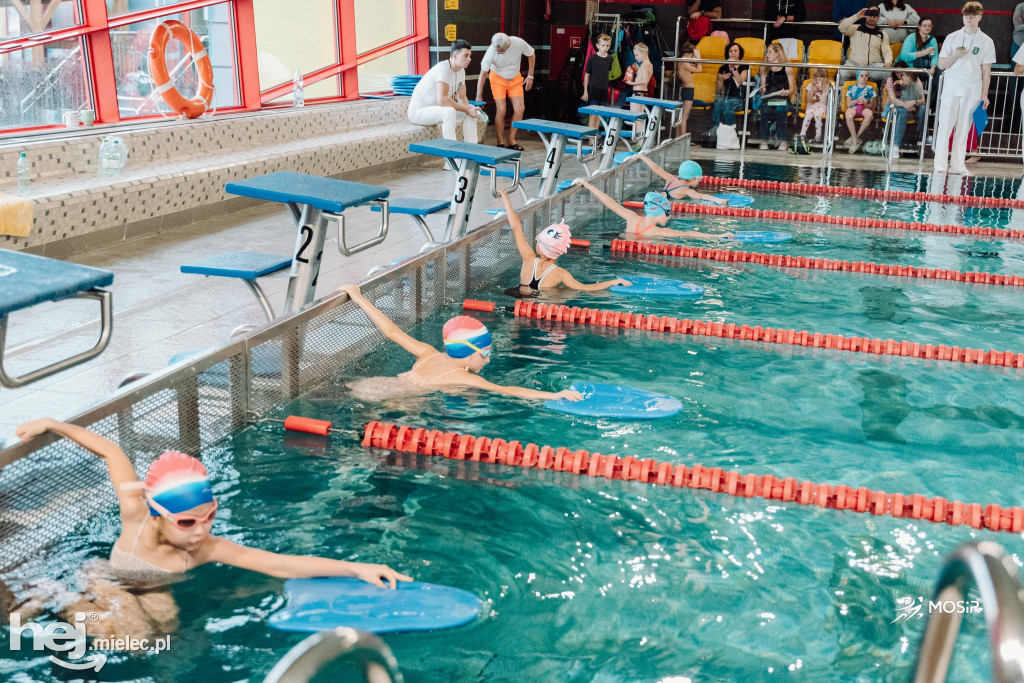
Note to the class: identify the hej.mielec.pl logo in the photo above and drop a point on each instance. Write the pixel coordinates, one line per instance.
(69, 642)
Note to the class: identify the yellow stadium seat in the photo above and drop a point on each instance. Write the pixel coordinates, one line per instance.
(711, 47)
(753, 51)
(704, 90)
(825, 52)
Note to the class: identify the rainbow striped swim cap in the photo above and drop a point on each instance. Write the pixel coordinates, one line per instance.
(656, 204)
(464, 336)
(177, 483)
(553, 241)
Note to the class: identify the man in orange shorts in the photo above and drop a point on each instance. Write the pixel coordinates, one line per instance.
(500, 67)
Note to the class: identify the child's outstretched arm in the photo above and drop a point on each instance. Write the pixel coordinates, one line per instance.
(701, 197)
(658, 170)
(296, 566)
(478, 382)
(525, 250)
(384, 323)
(122, 473)
(608, 202)
(572, 283)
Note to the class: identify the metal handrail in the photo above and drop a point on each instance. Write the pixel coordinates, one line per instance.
(306, 659)
(986, 566)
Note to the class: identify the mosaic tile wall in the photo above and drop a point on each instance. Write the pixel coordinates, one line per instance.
(181, 166)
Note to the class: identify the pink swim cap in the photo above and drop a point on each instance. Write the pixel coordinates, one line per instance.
(464, 336)
(177, 482)
(553, 241)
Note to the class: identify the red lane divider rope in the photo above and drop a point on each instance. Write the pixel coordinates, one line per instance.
(729, 256)
(846, 221)
(650, 471)
(764, 335)
(866, 193)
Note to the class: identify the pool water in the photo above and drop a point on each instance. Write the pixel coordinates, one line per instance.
(594, 580)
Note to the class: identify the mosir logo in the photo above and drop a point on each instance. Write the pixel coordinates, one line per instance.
(914, 609)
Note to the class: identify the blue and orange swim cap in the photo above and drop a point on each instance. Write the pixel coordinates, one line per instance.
(464, 336)
(177, 483)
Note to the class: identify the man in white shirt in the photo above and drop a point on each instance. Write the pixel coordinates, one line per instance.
(440, 96)
(967, 56)
(502, 61)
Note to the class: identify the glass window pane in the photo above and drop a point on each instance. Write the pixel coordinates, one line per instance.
(116, 8)
(25, 18)
(299, 34)
(130, 45)
(375, 76)
(372, 32)
(328, 87)
(39, 84)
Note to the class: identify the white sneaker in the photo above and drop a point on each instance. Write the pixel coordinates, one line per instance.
(763, 145)
(894, 152)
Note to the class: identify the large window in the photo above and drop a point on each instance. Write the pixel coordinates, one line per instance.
(58, 56)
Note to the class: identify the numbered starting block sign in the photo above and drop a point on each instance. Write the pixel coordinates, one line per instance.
(464, 160)
(314, 202)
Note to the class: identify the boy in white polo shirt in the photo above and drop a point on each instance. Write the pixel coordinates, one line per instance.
(967, 56)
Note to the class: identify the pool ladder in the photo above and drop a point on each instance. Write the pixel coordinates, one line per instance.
(986, 566)
(368, 652)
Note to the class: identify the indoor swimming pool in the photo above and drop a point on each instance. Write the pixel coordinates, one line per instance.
(586, 579)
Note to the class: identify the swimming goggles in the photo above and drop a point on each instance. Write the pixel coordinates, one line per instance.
(486, 353)
(182, 520)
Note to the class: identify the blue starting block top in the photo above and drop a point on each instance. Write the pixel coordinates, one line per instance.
(669, 105)
(27, 280)
(613, 113)
(477, 103)
(510, 173)
(326, 194)
(456, 149)
(570, 130)
(246, 265)
(413, 207)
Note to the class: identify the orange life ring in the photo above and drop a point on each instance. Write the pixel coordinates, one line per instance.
(163, 33)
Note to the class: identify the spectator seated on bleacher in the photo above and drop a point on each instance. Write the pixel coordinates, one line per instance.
(860, 104)
(905, 95)
(729, 91)
(869, 46)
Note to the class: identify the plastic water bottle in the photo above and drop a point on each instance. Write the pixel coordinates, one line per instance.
(482, 115)
(298, 98)
(110, 158)
(23, 174)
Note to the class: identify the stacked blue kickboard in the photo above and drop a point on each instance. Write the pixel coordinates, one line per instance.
(404, 85)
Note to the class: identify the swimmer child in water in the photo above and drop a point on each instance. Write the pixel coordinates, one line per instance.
(165, 531)
(682, 186)
(652, 223)
(539, 269)
(467, 349)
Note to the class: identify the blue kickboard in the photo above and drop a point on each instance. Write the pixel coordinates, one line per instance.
(323, 604)
(569, 130)
(564, 185)
(246, 265)
(622, 156)
(27, 280)
(611, 400)
(327, 194)
(656, 286)
(737, 200)
(762, 237)
(456, 149)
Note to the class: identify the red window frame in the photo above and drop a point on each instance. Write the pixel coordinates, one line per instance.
(95, 26)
